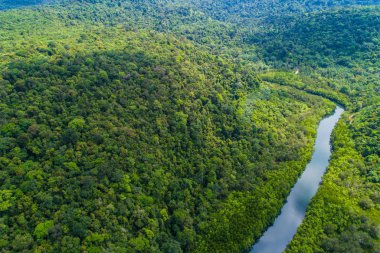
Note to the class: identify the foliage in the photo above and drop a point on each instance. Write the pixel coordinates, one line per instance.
(142, 126)
(348, 220)
(9, 4)
(116, 138)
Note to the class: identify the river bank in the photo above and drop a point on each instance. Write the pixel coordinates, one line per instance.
(276, 238)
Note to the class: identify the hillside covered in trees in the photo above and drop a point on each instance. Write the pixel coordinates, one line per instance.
(10, 4)
(176, 126)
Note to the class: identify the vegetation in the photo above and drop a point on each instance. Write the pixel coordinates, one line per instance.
(169, 126)
(9, 4)
(338, 48)
(134, 141)
(348, 220)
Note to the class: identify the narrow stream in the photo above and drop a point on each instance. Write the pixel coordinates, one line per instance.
(277, 237)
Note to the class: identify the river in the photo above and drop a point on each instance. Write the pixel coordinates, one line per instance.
(277, 237)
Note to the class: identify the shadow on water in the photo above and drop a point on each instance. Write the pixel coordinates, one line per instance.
(277, 237)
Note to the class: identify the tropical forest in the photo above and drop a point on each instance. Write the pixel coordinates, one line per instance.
(176, 126)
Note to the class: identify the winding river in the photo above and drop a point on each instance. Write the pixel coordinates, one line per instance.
(277, 237)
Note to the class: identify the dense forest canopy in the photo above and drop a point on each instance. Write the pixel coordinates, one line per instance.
(255, 9)
(176, 126)
(9, 4)
(98, 125)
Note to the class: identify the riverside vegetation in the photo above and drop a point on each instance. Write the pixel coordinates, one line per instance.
(168, 126)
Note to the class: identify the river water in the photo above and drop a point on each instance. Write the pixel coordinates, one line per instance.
(277, 237)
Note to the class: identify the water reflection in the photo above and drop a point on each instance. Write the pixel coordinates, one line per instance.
(285, 226)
